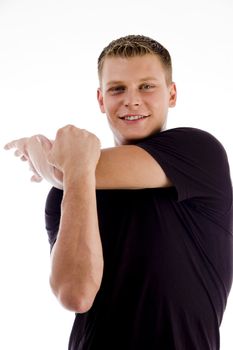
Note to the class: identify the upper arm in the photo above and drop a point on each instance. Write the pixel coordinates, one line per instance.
(129, 167)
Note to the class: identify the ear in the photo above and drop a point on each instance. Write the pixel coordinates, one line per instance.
(100, 100)
(173, 95)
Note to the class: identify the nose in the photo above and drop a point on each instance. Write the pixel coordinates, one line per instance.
(132, 99)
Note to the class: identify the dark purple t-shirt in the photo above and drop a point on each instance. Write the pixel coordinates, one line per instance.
(167, 252)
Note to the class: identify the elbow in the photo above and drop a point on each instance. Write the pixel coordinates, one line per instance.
(72, 299)
(76, 303)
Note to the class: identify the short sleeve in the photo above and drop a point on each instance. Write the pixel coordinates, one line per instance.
(53, 213)
(196, 163)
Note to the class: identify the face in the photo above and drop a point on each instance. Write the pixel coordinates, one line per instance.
(135, 96)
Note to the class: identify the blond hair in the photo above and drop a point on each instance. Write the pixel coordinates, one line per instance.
(136, 45)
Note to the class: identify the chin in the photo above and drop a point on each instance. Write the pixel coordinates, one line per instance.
(131, 140)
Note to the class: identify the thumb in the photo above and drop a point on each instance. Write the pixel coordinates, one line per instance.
(50, 158)
(45, 142)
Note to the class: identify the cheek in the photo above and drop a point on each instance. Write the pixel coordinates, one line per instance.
(158, 101)
(152, 101)
(111, 105)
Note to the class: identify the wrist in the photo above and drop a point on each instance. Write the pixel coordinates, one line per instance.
(79, 180)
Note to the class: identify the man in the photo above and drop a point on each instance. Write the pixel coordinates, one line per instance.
(145, 261)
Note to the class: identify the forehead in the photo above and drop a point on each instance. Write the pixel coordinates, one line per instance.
(137, 67)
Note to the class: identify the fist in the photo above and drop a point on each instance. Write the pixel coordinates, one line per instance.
(75, 150)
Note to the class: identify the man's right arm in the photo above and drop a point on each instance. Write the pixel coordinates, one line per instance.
(76, 260)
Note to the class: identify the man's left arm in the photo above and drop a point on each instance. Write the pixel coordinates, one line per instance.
(129, 167)
(34, 150)
(120, 167)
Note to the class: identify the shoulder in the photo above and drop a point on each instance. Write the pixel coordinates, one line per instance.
(186, 140)
(189, 134)
(193, 159)
(200, 142)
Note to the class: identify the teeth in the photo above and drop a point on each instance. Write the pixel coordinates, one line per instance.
(135, 117)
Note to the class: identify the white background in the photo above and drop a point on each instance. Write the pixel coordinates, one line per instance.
(48, 54)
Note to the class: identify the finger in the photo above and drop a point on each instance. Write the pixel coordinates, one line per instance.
(9, 145)
(36, 178)
(18, 153)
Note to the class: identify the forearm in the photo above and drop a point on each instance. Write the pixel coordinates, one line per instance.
(77, 260)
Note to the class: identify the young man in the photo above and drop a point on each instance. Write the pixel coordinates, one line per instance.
(145, 261)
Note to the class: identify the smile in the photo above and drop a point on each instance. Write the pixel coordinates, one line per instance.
(133, 117)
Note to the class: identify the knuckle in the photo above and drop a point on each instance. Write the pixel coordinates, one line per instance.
(59, 132)
(70, 127)
(65, 129)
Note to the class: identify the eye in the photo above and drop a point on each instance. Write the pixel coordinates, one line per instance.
(146, 86)
(116, 89)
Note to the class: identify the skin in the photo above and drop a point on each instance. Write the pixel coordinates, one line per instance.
(135, 86)
(77, 259)
(75, 162)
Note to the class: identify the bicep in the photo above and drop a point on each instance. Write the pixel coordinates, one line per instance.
(129, 167)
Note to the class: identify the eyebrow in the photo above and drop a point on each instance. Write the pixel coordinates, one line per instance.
(119, 82)
(114, 82)
(149, 78)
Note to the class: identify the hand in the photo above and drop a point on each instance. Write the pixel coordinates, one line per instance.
(21, 150)
(75, 151)
(34, 150)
